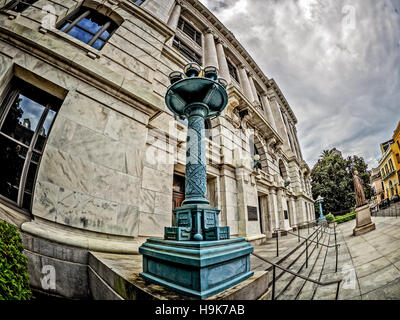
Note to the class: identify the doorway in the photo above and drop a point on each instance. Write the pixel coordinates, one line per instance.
(178, 193)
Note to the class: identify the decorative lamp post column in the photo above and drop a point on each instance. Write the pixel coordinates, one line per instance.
(197, 256)
(321, 218)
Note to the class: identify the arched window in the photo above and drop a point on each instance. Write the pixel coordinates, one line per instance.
(391, 188)
(90, 27)
(282, 170)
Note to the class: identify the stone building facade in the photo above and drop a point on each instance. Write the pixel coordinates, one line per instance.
(98, 158)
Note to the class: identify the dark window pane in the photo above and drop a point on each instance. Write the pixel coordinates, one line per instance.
(22, 119)
(27, 201)
(30, 179)
(45, 129)
(12, 158)
(20, 6)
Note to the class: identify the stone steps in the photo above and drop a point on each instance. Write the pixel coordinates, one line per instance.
(296, 284)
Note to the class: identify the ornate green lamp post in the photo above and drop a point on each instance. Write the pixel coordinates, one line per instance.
(197, 256)
(321, 218)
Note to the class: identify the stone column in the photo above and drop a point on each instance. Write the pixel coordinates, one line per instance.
(297, 141)
(174, 18)
(223, 64)
(210, 51)
(268, 111)
(281, 216)
(253, 89)
(245, 83)
(274, 211)
(293, 211)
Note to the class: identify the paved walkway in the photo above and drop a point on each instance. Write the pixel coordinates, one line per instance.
(375, 258)
(369, 264)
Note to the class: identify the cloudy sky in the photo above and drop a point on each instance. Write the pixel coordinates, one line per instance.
(336, 61)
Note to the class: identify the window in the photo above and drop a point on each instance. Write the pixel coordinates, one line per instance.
(387, 169)
(90, 27)
(391, 165)
(189, 31)
(233, 71)
(261, 101)
(187, 52)
(383, 172)
(208, 129)
(137, 2)
(20, 5)
(26, 117)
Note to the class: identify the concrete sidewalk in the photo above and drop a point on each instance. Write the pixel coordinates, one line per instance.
(375, 258)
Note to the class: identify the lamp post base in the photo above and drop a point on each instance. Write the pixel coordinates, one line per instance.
(196, 268)
(196, 222)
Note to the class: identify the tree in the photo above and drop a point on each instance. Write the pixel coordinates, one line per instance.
(332, 178)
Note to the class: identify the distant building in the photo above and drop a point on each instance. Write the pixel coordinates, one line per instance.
(388, 172)
(396, 152)
(377, 184)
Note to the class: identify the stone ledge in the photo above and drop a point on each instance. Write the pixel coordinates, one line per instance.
(121, 274)
(81, 239)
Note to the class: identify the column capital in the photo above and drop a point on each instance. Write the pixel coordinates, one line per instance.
(209, 31)
(242, 66)
(218, 40)
(179, 2)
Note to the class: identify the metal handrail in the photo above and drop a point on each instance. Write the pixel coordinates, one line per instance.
(309, 239)
(274, 265)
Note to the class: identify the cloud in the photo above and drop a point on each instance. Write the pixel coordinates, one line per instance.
(337, 63)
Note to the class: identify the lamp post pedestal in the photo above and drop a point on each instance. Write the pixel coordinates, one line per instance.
(197, 256)
(321, 218)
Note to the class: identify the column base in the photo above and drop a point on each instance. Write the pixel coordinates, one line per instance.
(196, 222)
(364, 223)
(196, 268)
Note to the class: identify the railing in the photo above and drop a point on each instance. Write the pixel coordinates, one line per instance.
(317, 242)
(274, 266)
(393, 210)
(308, 240)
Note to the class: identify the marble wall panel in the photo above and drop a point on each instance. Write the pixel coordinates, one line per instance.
(134, 161)
(138, 49)
(156, 181)
(147, 201)
(65, 170)
(126, 130)
(128, 220)
(137, 26)
(85, 112)
(163, 203)
(152, 225)
(83, 211)
(45, 200)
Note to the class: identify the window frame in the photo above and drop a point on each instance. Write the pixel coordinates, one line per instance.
(86, 11)
(12, 92)
(197, 35)
(183, 44)
(233, 71)
(12, 4)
